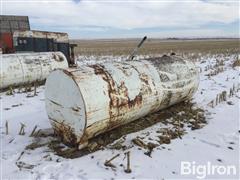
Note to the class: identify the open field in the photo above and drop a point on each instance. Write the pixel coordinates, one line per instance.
(155, 46)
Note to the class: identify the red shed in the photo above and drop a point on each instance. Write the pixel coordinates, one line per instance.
(9, 24)
(6, 42)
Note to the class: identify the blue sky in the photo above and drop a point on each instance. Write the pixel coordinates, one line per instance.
(130, 18)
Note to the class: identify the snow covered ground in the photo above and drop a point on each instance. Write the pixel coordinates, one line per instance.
(217, 143)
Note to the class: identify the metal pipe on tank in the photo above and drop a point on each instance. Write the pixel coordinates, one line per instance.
(96, 98)
(21, 68)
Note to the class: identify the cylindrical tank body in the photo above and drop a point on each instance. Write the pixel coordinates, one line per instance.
(21, 68)
(96, 98)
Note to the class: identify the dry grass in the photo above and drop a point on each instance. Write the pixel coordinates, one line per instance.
(236, 63)
(190, 118)
(155, 46)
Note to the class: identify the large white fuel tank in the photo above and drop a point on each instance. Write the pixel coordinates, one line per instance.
(93, 99)
(21, 68)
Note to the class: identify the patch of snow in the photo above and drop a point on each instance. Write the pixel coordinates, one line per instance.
(217, 142)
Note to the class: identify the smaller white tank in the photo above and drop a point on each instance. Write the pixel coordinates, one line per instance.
(17, 69)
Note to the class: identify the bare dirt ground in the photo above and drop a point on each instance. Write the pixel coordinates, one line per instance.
(155, 46)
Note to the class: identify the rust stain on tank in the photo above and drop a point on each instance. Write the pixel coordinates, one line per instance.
(118, 95)
(65, 132)
(144, 78)
(124, 70)
(77, 109)
(167, 99)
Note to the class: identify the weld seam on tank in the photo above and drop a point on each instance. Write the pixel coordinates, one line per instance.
(41, 76)
(23, 74)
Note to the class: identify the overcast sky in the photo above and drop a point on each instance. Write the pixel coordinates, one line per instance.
(130, 18)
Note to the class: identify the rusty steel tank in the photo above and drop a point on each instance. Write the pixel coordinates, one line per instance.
(85, 102)
(21, 68)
